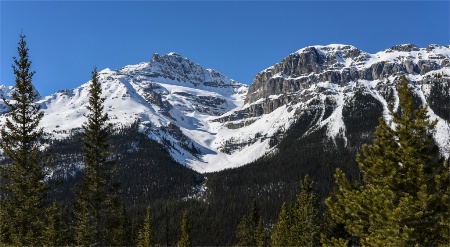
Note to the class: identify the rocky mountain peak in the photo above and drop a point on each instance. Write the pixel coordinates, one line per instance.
(341, 64)
(404, 47)
(201, 117)
(175, 67)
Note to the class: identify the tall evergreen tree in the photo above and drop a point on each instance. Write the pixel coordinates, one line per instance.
(56, 231)
(95, 196)
(281, 229)
(118, 226)
(185, 239)
(306, 229)
(299, 224)
(145, 234)
(251, 230)
(23, 184)
(403, 196)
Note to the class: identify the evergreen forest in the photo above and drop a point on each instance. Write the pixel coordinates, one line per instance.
(109, 185)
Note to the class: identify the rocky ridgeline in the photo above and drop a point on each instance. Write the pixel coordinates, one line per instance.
(343, 91)
(338, 64)
(336, 90)
(177, 68)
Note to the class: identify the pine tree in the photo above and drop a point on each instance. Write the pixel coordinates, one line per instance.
(403, 194)
(145, 234)
(281, 229)
(185, 239)
(23, 184)
(251, 230)
(299, 224)
(55, 232)
(118, 227)
(95, 195)
(306, 217)
(261, 235)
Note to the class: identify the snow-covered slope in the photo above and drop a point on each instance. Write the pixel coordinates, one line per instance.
(172, 97)
(5, 92)
(340, 83)
(209, 122)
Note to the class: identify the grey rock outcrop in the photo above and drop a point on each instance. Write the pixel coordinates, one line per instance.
(341, 64)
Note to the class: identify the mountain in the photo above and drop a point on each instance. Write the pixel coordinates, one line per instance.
(172, 97)
(209, 122)
(344, 90)
(308, 114)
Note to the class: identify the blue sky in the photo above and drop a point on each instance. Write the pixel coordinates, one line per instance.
(66, 39)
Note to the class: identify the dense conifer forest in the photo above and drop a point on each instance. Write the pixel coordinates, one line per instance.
(114, 186)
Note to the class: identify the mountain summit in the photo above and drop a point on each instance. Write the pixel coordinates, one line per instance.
(210, 122)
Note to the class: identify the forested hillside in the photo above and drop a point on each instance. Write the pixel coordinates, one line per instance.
(342, 162)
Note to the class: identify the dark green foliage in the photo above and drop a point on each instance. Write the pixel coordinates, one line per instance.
(56, 232)
(145, 234)
(299, 224)
(439, 97)
(360, 117)
(250, 231)
(402, 198)
(118, 226)
(97, 203)
(23, 185)
(281, 229)
(185, 238)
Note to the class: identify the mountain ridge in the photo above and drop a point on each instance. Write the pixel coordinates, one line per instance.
(210, 122)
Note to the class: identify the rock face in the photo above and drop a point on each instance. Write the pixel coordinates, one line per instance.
(340, 65)
(6, 93)
(210, 122)
(170, 97)
(343, 91)
(177, 68)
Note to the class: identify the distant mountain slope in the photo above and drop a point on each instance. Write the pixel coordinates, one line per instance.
(172, 97)
(209, 122)
(341, 88)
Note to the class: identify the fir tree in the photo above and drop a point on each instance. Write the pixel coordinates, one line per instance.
(281, 229)
(306, 227)
(118, 227)
(95, 196)
(185, 239)
(55, 232)
(250, 230)
(145, 234)
(403, 195)
(299, 224)
(261, 235)
(23, 184)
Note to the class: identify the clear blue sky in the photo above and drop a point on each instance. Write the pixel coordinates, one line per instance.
(239, 39)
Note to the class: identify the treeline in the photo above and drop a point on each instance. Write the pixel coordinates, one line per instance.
(129, 191)
(36, 208)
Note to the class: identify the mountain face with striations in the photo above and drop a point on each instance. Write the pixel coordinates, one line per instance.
(343, 91)
(210, 122)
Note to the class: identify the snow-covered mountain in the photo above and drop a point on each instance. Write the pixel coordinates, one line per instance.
(209, 122)
(172, 97)
(344, 90)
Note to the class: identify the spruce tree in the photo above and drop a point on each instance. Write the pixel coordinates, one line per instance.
(299, 224)
(281, 229)
(261, 235)
(185, 239)
(403, 196)
(145, 234)
(55, 232)
(250, 230)
(118, 227)
(306, 217)
(95, 196)
(23, 184)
